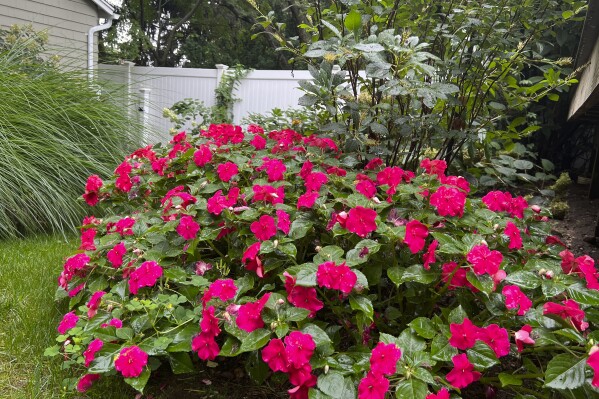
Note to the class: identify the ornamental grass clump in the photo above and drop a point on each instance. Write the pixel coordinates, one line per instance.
(346, 280)
(55, 130)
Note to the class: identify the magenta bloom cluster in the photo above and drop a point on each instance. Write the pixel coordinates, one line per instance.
(342, 274)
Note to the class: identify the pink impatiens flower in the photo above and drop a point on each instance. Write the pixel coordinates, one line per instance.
(249, 316)
(337, 277)
(275, 169)
(522, 337)
(302, 297)
(283, 221)
(429, 256)
(366, 188)
(516, 299)
(315, 180)
(251, 260)
(94, 303)
(131, 361)
(513, 234)
(264, 228)
(300, 348)
(463, 335)
(497, 338)
(361, 221)
(209, 322)
(307, 200)
(115, 255)
(188, 228)
(463, 373)
(416, 234)
(593, 362)
(202, 156)
(205, 345)
(373, 386)
(69, 321)
(570, 310)
(384, 358)
(145, 275)
(275, 355)
(434, 167)
(223, 289)
(90, 353)
(484, 260)
(87, 239)
(442, 394)
(226, 171)
(86, 382)
(449, 201)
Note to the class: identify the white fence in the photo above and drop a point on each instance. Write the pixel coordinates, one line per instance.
(159, 88)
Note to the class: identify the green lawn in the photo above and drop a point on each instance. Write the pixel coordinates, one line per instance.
(29, 316)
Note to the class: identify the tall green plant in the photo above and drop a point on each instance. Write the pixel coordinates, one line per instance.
(440, 77)
(55, 129)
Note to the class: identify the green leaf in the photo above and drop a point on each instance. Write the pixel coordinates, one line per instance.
(583, 295)
(482, 283)
(306, 276)
(441, 349)
(180, 363)
(411, 389)
(567, 14)
(423, 327)
(299, 228)
(125, 333)
(353, 257)
(410, 343)
(296, 314)
(552, 288)
(329, 253)
(140, 382)
(395, 274)
(523, 164)
(523, 279)
(509, 379)
(255, 340)
(336, 386)
(369, 47)
(482, 356)
(318, 335)
(418, 274)
(565, 371)
(363, 304)
(457, 315)
(353, 20)
(448, 244)
(52, 351)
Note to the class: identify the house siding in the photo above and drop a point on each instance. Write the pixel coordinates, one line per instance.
(66, 21)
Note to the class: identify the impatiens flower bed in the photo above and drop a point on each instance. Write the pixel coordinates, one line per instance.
(344, 277)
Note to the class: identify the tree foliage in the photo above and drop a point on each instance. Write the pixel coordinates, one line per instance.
(196, 33)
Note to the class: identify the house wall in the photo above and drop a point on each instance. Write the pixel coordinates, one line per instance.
(66, 21)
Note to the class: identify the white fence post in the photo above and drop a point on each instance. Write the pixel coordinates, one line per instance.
(220, 71)
(144, 108)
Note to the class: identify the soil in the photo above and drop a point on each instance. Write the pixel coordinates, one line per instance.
(577, 230)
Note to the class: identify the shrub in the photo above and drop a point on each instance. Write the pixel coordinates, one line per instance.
(55, 130)
(349, 281)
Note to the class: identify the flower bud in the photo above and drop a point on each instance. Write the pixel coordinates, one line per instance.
(549, 274)
(484, 242)
(276, 243)
(318, 248)
(535, 208)
(326, 368)
(594, 349)
(495, 226)
(542, 272)
(280, 301)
